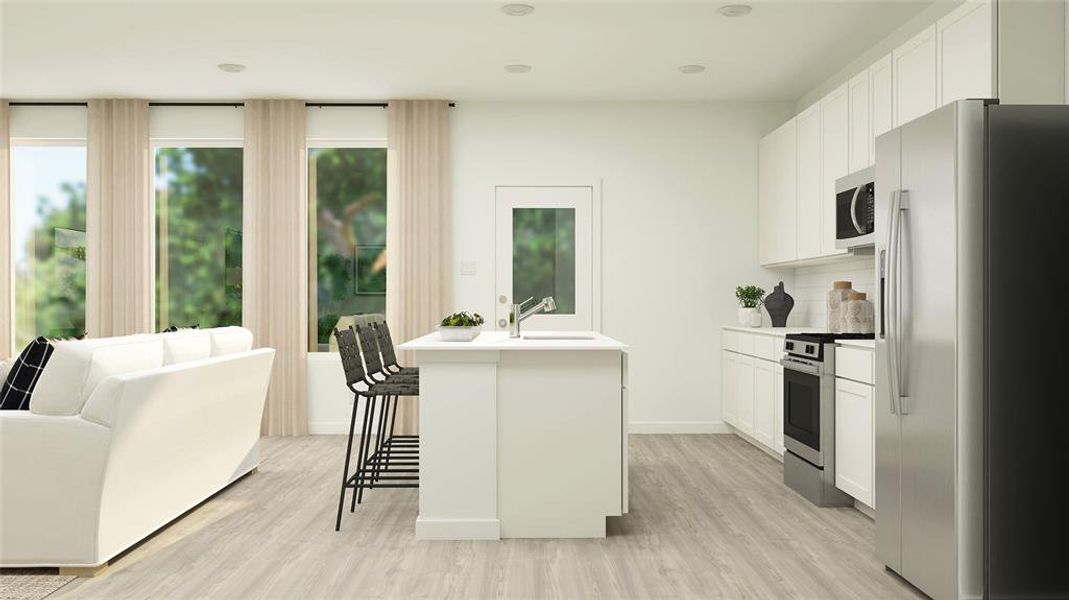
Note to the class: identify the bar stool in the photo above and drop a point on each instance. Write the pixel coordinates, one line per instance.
(371, 468)
(389, 356)
(388, 443)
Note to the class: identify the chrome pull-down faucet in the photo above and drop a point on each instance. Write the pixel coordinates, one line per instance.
(519, 315)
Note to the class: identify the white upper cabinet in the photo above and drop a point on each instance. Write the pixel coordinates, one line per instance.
(966, 58)
(777, 196)
(834, 160)
(881, 105)
(809, 183)
(915, 78)
(859, 93)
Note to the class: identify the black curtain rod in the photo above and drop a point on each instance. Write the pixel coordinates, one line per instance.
(234, 104)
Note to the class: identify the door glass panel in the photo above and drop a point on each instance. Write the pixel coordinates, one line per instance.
(543, 256)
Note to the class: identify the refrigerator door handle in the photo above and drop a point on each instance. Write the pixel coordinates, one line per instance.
(891, 299)
(899, 204)
(853, 210)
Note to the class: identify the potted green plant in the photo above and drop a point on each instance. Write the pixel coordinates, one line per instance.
(460, 327)
(750, 298)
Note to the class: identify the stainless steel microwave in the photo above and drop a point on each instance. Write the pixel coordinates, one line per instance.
(855, 209)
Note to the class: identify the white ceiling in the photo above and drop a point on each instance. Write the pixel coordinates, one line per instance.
(376, 50)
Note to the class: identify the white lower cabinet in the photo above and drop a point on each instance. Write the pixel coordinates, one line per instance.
(764, 401)
(744, 386)
(854, 440)
(752, 387)
(777, 412)
(728, 395)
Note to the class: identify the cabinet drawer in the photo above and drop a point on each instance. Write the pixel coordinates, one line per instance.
(764, 346)
(854, 363)
(779, 340)
(729, 340)
(746, 343)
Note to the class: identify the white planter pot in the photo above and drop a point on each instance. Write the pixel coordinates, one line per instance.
(458, 334)
(750, 317)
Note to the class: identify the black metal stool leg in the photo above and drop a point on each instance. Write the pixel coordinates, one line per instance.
(380, 431)
(369, 412)
(348, 457)
(389, 436)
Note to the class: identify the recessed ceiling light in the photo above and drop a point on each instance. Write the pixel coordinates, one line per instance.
(517, 69)
(231, 67)
(735, 10)
(517, 10)
(691, 69)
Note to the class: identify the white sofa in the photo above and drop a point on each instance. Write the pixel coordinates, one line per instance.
(124, 435)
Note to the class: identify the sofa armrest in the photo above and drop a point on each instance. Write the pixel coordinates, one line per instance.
(51, 477)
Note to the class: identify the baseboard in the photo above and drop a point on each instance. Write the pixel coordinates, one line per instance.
(679, 427)
(328, 428)
(457, 529)
(340, 428)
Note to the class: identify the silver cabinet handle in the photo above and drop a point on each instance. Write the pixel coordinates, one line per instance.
(853, 210)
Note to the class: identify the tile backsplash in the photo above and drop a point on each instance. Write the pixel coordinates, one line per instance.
(812, 284)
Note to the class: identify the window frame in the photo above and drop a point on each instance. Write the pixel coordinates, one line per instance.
(313, 249)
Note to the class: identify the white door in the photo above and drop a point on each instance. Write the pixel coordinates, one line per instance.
(546, 245)
(764, 401)
(808, 174)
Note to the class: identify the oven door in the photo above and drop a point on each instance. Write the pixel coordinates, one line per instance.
(801, 410)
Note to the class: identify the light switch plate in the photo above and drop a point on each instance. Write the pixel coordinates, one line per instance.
(467, 267)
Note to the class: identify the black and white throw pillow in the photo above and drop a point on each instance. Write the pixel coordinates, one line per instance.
(174, 328)
(18, 387)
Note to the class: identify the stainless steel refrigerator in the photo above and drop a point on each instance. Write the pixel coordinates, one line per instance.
(972, 226)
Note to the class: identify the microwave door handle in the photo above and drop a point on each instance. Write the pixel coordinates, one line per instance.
(889, 309)
(853, 210)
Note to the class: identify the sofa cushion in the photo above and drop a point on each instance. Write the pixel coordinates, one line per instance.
(185, 345)
(77, 366)
(24, 375)
(228, 340)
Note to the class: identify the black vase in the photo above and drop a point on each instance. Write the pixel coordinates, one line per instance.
(779, 304)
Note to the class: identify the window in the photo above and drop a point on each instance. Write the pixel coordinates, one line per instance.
(543, 256)
(198, 236)
(347, 196)
(48, 230)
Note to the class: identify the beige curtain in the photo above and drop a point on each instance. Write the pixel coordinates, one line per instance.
(275, 254)
(7, 268)
(119, 285)
(419, 226)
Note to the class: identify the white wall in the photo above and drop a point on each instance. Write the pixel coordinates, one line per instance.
(679, 226)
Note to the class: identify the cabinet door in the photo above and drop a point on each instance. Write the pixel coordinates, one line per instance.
(854, 440)
(915, 77)
(777, 191)
(777, 398)
(834, 161)
(764, 401)
(859, 91)
(744, 386)
(809, 188)
(965, 67)
(882, 102)
(728, 389)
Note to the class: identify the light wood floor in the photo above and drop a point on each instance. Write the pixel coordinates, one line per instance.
(710, 518)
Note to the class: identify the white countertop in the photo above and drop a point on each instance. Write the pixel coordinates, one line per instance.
(500, 340)
(776, 331)
(864, 344)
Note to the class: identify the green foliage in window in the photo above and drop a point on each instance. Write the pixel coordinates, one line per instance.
(543, 256)
(198, 236)
(348, 189)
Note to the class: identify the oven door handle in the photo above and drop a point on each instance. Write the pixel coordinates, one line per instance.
(801, 367)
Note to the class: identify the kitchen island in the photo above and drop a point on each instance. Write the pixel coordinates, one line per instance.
(521, 438)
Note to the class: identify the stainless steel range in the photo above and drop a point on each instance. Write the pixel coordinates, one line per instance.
(809, 416)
